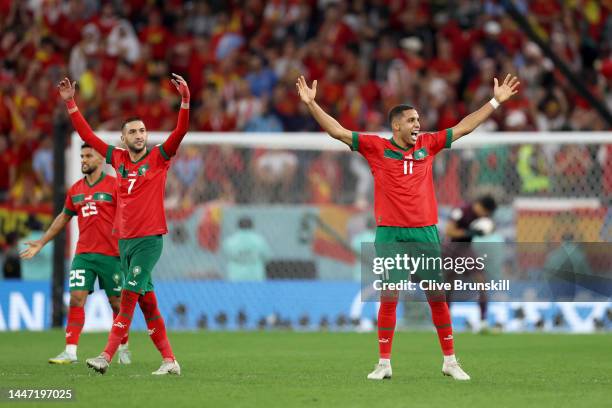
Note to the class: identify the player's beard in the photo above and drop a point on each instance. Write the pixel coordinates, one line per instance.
(89, 170)
(136, 150)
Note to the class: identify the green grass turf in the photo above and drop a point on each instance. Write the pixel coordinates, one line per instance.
(284, 369)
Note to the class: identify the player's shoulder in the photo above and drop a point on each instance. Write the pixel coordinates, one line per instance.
(109, 179)
(77, 185)
(369, 139)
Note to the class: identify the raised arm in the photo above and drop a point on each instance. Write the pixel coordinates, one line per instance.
(171, 144)
(501, 93)
(34, 247)
(329, 124)
(66, 91)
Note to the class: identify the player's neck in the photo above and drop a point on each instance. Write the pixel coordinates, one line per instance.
(92, 178)
(137, 156)
(401, 143)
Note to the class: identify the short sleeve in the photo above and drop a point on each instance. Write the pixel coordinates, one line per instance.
(364, 144)
(438, 141)
(69, 208)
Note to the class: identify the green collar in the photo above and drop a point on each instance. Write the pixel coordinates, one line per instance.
(145, 155)
(400, 147)
(97, 181)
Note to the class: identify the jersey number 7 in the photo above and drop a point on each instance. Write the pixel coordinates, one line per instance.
(132, 182)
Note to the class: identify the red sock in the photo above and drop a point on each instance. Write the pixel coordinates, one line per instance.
(74, 326)
(124, 340)
(386, 326)
(442, 320)
(121, 325)
(155, 324)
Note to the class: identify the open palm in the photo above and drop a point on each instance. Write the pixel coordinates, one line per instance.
(307, 94)
(504, 91)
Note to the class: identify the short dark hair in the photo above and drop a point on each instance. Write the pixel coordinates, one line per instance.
(128, 120)
(488, 203)
(396, 111)
(84, 145)
(245, 223)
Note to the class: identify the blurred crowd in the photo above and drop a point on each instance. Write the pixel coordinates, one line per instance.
(241, 59)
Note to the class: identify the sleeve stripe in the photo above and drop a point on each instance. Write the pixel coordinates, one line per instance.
(449, 137)
(69, 212)
(109, 154)
(355, 146)
(163, 152)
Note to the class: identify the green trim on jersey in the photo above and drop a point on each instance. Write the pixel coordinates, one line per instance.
(109, 154)
(102, 196)
(97, 181)
(393, 154)
(78, 198)
(398, 146)
(355, 145)
(69, 212)
(122, 171)
(449, 137)
(163, 152)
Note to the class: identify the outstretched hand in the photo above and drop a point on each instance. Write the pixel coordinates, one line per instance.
(504, 91)
(306, 94)
(66, 89)
(34, 248)
(181, 86)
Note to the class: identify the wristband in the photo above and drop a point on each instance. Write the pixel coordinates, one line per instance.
(70, 104)
(494, 103)
(185, 104)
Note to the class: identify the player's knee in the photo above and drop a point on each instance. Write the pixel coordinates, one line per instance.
(77, 299)
(147, 303)
(115, 303)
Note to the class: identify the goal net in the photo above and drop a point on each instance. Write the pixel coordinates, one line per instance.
(265, 229)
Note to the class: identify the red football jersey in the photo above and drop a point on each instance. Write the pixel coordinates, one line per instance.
(404, 193)
(141, 188)
(95, 207)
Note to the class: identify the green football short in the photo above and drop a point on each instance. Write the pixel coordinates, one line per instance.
(138, 258)
(86, 267)
(417, 243)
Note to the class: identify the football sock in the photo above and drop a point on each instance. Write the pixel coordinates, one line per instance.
(450, 359)
(384, 361)
(74, 326)
(121, 325)
(386, 327)
(124, 340)
(155, 324)
(442, 321)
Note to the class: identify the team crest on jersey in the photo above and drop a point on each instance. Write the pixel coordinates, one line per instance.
(143, 169)
(420, 154)
(136, 270)
(116, 278)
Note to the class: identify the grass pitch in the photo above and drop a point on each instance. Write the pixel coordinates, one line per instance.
(285, 369)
